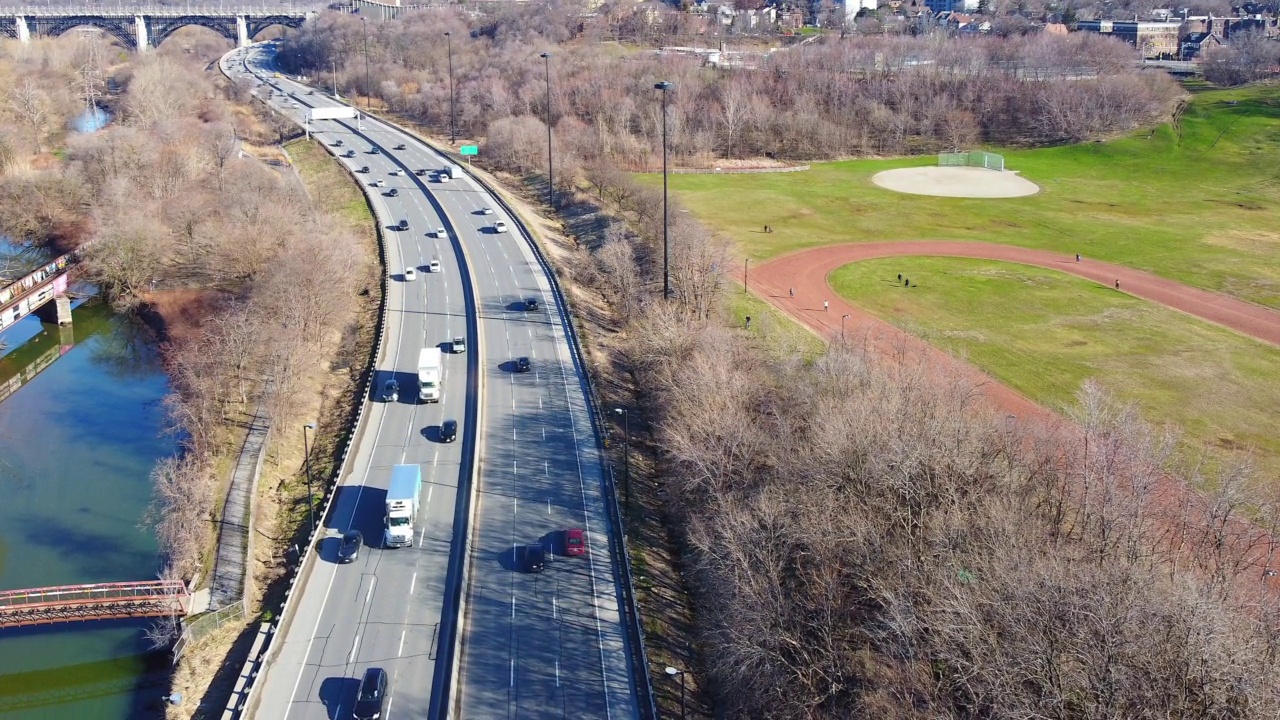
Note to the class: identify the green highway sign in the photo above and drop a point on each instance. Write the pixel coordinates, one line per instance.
(470, 150)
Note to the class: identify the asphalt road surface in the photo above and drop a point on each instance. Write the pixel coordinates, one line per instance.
(534, 645)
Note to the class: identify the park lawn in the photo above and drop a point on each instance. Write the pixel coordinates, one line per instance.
(1044, 333)
(771, 327)
(1198, 202)
(330, 185)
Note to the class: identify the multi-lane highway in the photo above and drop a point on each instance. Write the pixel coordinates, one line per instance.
(533, 645)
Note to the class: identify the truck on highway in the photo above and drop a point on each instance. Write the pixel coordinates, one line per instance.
(453, 171)
(402, 505)
(430, 371)
(331, 113)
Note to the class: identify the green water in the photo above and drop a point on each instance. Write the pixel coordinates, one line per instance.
(80, 429)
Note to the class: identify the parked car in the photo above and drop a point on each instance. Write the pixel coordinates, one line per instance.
(459, 344)
(500, 227)
(575, 542)
(434, 266)
(371, 702)
(535, 558)
(448, 431)
(391, 390)
(349, 547)
(523, 365)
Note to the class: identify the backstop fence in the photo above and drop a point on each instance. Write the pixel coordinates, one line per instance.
(973, 158)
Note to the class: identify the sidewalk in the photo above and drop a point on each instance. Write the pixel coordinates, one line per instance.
(233, 532)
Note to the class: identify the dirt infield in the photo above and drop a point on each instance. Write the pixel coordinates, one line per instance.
(962, 182)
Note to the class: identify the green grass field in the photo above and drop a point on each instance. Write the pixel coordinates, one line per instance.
(1044, 333)
(1198, 202)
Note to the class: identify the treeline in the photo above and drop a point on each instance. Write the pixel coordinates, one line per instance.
(859, 96)
(248, 278)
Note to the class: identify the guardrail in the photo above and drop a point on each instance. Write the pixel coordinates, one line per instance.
(618, 538)
(246, 694)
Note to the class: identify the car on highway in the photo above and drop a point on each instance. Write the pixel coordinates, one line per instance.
(434, 266)
(575, 543)
(374, 150)
(410, 274)
(379, 183)
(459, 344)
(393, 192)
(486, 211)
(420, 172)
(404, 225)
(337, 143)
(351, 153)
(371, 702)
(363, 169)
(440, 233)
(397, 172)
(535, 558)
(523, 364)
(448, 431)
(400, 146)
(349, 546)
(531, 303)
(442, 177)
(499, 227)
(390, 390)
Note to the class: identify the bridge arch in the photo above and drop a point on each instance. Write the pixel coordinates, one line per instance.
(9, 30)
(163, 28)
(122, 31)
(256, 25)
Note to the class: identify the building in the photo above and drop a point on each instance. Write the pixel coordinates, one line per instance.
(1198, 42)
(1153, 39)
(952, 6)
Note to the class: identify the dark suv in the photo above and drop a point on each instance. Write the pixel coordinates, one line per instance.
(371, 703)
(531, 303)
(522, 364)
(535, 558)
(449, 431)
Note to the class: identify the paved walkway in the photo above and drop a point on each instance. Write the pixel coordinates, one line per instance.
(233, 532)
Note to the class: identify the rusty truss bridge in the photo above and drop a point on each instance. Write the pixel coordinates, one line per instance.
(103, 601)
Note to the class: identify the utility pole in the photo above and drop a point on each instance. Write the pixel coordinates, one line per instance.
(368, 88)
(453, 132)
(665, 86)
(551, 183)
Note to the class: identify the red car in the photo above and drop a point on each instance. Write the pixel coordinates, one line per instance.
(575, 542)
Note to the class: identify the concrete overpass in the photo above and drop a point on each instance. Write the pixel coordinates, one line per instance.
(140, 28)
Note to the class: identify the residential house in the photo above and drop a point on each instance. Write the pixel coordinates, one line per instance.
(1198, 42)
(1153, 39)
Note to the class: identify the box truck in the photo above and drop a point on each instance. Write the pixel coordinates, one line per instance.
(331, 113)
(430, 371)
(402, 505)
(453, 171)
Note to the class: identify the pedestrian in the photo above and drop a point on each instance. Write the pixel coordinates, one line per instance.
(899, 277)
(748, 322)
(1077, 257)
(906, 282)
(793, 292)
(825, 305)
(1117, 284)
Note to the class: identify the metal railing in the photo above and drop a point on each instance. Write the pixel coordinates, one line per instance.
(161, 11)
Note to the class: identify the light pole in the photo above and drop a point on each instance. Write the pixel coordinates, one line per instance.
(664, 86)
(453, 133)
(368, 89)
(335, 79)
(311, 506)
(842, 319)
(626, 458)
(673, 672)
(744, 273)
(551, 183)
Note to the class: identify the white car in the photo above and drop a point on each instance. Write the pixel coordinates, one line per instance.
(410, 274)
(442, 177)
(434, 266)
(486, 211)
(440, 233)
(379, 183)
(397, 172)
(459, 344)
(500, 227)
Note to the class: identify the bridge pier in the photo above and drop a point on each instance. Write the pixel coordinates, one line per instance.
(24, 32)
(57, 310)
(140, 29)
(242, 32)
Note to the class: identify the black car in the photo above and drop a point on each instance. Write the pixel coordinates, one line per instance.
(522, 364)
(393, 192)
(390, 391)
(404, 225)
(531, 303)
(535, 558)
(400, 146)
(420, 172)
(449, 431)
(371, 703)
(349, 550)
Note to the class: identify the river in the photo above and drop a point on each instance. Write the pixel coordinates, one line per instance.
(78, 439)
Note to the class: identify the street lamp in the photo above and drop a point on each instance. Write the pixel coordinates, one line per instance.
(311, 506)
(551, 184)
(626, 457)
(673, 672)
(368, 89)
(842, 319)
(664, 86)
(744, 273)
(335, 79)
(453, 133)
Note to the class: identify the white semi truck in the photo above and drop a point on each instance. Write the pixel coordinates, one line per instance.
(430, 373)
(402, 505)
(331, 113)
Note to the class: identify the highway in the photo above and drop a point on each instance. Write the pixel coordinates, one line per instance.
(535, 645)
